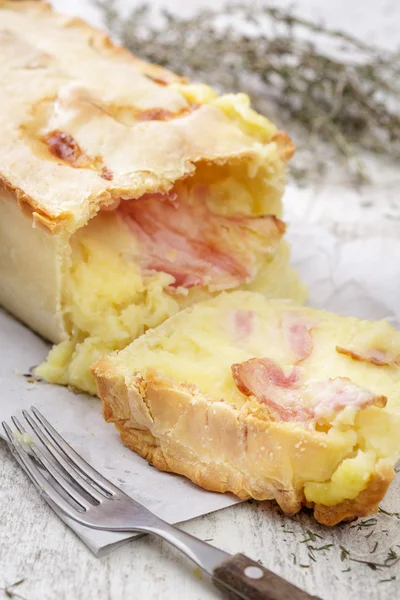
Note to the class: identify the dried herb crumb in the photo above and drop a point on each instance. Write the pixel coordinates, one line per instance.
(312, 537)
(9, 590)
(311, 554)
(370, 564)
(392, 578)
(392, 556)
(389, 514)
(364, 524)
(197, 573)
(344, 553)
(374, 548)
(369, 535)
(326, 547)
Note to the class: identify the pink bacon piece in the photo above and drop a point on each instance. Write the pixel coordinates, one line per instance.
(284, 396)
(243, 322)
(264, 379)
(373, 355)
(194, 245)
(297, 331)
(332, 396)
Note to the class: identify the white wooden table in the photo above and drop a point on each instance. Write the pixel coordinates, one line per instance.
(37, 546)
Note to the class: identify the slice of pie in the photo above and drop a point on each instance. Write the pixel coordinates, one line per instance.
(126, 193)
(265, 399)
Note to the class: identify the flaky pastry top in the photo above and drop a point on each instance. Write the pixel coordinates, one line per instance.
(83, 121)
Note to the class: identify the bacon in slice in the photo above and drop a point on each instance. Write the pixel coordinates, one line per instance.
(264, 379)
(372, 355)
(289, 399)
(241, 323)
(181, 236)
(332, 396)
(297, 331)
(253, 375)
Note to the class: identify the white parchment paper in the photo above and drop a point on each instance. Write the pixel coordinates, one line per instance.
(358, 277)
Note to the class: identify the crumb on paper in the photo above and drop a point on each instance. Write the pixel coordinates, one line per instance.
(29, 376)
(32, 379)
(25, 438)
(197, 573)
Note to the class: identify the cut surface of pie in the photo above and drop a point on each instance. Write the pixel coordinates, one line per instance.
(265, 399)
(126, 193)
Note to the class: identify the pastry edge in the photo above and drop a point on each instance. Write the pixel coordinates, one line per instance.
(67, 221)
(31, 269)
(121, 400)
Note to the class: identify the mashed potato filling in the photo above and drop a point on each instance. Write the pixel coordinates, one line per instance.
(295, 370)
(134, 266)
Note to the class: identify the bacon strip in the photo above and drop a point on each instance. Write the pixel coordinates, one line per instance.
(297, 330)
(264, 379)
(183, 237)
(287, 399)
(243, 323)
(252, 376)
(374, 356)
(332, 396)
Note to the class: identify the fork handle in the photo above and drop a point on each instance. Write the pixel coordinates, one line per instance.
(241, 577)
(236, 576)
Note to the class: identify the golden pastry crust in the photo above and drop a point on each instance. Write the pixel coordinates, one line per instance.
(177, 400)
(84, 124)
(366, 503)
(286, 147)
(61, 75)
(30, 268)
(166, 422)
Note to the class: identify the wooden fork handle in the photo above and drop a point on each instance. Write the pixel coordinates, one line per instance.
(241, 577)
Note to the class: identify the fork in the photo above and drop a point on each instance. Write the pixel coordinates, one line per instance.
(69, 483)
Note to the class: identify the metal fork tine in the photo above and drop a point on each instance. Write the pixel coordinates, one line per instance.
(18, 425)
(74, 458)
(58, 460)
(55, 474)
(42, 484)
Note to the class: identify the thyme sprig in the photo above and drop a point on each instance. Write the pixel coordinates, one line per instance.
(345, 98)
